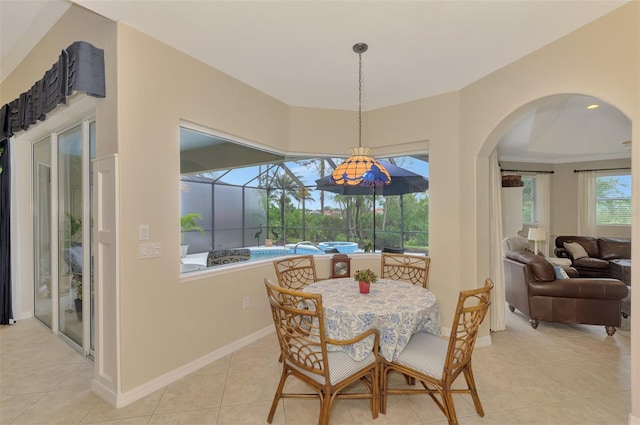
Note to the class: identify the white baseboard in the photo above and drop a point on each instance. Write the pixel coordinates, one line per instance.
(126, 398)
(634, 420)
(22, 315)
(104, 393)
(484, 341)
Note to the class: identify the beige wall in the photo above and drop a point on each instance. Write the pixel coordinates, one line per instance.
(159, 314)
(564, 195)
(184, 321)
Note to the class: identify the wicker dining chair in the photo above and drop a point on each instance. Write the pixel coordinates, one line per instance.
(295, 272)
(436, 363)
(299, 322)
(409, 268)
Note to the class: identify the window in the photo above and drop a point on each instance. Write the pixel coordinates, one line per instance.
(258, 201)
(529, 200)
(613, 199)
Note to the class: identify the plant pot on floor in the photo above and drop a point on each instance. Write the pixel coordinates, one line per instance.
(78, 305)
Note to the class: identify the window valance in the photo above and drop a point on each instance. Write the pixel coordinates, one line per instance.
(80, 67)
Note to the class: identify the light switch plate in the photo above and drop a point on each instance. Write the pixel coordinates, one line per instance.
(143, 232)
(150, 250)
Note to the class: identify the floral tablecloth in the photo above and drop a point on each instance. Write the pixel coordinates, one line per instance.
(396, 309)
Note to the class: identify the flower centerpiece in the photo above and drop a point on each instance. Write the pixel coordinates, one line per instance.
(365, 278)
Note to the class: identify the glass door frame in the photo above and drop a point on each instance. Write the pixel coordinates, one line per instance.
(87, 218)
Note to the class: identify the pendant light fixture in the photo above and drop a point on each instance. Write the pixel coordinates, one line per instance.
(360, 169)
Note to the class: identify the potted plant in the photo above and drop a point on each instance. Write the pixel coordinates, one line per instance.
(367, 246)
(74, 235)
(188, 223)
(365, 278)
(77, 286)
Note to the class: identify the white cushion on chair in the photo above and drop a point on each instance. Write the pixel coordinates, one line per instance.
(341, 365)
(425, 353)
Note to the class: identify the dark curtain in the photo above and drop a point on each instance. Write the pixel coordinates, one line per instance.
(80, 67)
(6, 312)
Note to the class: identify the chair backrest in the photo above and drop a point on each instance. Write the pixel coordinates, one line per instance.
(299, 323)
(409, 268)
(471, 310)
(295, 272)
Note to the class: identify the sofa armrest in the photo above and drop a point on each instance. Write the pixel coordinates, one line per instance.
(594, 288)
(562, 253)
(571, 272)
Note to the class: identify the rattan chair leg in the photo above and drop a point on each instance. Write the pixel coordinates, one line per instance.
(277, 396)
(471, 383)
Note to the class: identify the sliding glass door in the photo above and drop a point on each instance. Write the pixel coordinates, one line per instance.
(62, 193)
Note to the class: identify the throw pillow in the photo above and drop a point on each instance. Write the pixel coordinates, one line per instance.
(576, 250)
(560, 273)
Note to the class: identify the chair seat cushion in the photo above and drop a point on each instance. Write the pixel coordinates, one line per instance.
(425, 353)
(341, 366)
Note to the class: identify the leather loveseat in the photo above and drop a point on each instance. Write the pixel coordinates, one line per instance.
(532, 287)
(600, 252)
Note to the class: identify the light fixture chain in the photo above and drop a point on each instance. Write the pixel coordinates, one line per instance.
(360, 100)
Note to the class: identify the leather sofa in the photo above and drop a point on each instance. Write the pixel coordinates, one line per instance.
(599, 250)
(532, 287)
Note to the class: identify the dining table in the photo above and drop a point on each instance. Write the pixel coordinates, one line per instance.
(395, 308)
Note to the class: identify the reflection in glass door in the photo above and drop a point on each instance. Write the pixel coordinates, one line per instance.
(70, 222)
(43, 301)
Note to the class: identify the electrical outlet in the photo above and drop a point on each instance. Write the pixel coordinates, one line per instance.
(245, 302)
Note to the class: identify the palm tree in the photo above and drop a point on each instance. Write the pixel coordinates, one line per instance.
(284, 187)
(304, 194)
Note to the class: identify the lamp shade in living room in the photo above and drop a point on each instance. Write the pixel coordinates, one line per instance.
(536, 234)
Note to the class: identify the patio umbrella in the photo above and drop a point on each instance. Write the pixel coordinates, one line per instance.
(403, 181)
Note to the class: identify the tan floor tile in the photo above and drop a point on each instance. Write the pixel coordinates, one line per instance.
(25, 380)
(138, 420)
(399, 411)
(582, 411)
(192, 392)
(60, 407)
(250, 359)
(103, 411)
(12, 405)
(307, 411)
(249, 414)
(257, 385)
(193, 417)
(219, 367)
(524, 416)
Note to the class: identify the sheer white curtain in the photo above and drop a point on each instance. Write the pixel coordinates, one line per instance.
(587, 203)
(498, 299)
(543, 208)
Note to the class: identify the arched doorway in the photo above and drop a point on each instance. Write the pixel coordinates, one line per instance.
(558, 134)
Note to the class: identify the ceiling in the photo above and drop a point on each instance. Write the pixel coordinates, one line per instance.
(300, 52)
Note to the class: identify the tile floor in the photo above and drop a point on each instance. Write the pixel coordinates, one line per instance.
(556, 375)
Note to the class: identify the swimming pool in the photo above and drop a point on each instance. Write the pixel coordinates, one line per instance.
(198, 261)
(342, 247)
